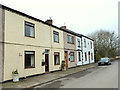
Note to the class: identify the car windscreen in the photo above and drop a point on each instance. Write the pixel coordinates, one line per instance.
(103, 59)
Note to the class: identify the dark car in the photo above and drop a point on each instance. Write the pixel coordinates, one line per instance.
(104, 61)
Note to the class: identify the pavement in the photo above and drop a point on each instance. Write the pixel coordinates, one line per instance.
(45, 78)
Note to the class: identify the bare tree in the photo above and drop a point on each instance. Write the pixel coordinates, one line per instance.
(106, 43)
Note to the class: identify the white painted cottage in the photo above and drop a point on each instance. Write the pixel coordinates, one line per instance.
(87, 50)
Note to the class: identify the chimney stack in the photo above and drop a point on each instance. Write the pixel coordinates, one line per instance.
(63, 27)
(49, 21)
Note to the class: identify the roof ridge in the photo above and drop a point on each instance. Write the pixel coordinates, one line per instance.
(36, 19)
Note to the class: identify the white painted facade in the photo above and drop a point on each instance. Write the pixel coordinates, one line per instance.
(79, 50)
(88, 48)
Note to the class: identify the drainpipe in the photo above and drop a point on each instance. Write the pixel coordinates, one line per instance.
(51, 47)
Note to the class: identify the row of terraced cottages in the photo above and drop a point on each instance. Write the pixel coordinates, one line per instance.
(33, 46)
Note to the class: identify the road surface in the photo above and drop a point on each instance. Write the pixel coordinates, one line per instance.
(98, 77)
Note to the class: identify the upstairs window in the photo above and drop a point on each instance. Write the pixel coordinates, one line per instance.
(78, 43)
(70, 39)
(85, 43)
(56, 36)
(91, 44)
(29, 29)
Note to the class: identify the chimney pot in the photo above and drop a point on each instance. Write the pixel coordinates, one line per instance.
(49, 21)
(63, 27)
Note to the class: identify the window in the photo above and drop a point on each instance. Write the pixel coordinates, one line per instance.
(56, 36)
(29, 59)
(91, 56)
(29, 29)
(79, 56)
(85, 43)
(70, 39)
(57, 58)
(71, 56)
(78, 43)
(91, 44)
(85, 56)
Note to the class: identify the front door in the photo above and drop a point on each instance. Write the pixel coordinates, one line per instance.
(46, 62)
(89, 56)
(66, 59)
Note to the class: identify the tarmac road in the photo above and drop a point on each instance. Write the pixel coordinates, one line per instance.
(98, 77)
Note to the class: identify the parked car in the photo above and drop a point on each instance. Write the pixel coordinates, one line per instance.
(104, 61)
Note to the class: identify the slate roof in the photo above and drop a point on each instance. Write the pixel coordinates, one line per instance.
(38, 20)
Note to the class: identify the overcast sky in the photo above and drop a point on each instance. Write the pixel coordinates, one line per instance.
(82, 16)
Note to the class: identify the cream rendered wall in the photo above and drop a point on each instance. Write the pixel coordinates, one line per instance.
(57, 47)
(1, 44)
(56, 67)
(14, 53)
(14, 59)
(18, 43)
(14, 28)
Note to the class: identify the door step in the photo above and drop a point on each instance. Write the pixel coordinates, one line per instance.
(47, 72)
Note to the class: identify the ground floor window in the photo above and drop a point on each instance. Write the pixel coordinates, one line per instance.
(71, 56)
(29, 59)
(79, 56)
(91, 56)
(56, 58)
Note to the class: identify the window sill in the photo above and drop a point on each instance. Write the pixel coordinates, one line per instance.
(72, 61)
(29, 67)
(30, 36)
(70, 43)
(56, 42)
(57, 64)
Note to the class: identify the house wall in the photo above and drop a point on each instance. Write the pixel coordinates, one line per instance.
(80, 50)
(56, 67)
(1, 43)
(57, 47)
(16, 42)
(70, 48)
(14, 28)
(15, 60)
(87, 49)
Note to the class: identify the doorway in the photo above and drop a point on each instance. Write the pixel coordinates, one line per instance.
(66, 59)
(46, 62)
(89, 56)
